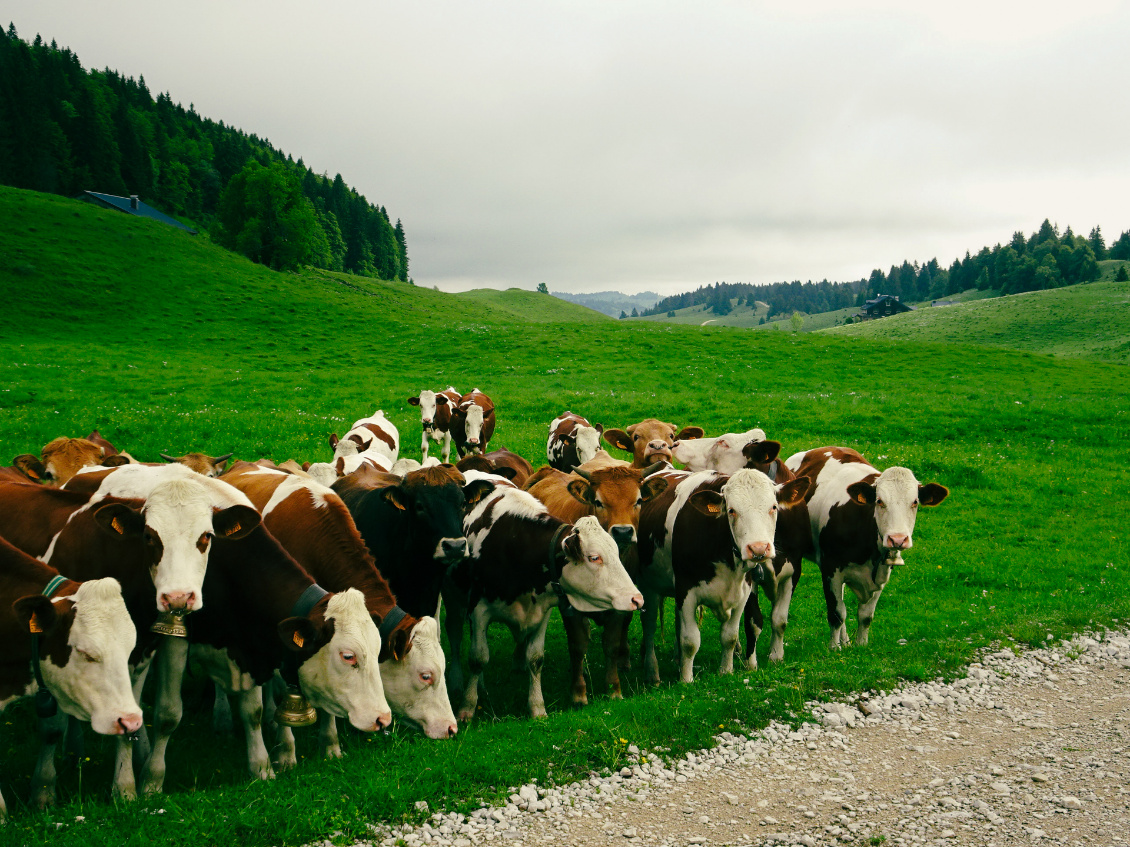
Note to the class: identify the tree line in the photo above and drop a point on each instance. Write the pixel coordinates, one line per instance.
(64, 130)
(1046, 259)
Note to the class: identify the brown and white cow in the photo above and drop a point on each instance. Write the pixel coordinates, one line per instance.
(722, 453)
(313, 525)
(861, 519)
(472, 423)
(202, 463)
(60, 459)
(572, 441)
(650, 441)
(436, 408)
(702, 542)
(375, 433)
(521, 563)
(500, 462)
(613, 492)
(85, 641)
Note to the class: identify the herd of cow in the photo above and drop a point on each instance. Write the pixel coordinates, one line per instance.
(327, 579)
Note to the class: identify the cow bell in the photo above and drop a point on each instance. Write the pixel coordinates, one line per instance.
(170, 623)
(294, 710)
(894, 559)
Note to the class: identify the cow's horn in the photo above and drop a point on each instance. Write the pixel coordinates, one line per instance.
(222, 458)
(650, 469)
(168, 458)
(585, 475)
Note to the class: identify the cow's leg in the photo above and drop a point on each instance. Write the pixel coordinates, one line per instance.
(779, 617)
(51, 731)
(535, 659)
(649, 618)
(752, 622)
(577, 632)
(327, 737)
(221, 712)
(689, 637)
(867, 604)
(126, 751)
(624, 660)
(615, 628)
(168, 708)
(455, 614)
(446, 447)
(478, 656)
(837, 611)
(74, 741)
(284, 756)
(729, 631)
(251, 715)
(424, 445)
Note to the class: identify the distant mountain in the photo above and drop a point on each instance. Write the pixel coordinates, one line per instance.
(612, 302)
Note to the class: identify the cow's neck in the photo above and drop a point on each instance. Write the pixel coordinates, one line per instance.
(260, 570)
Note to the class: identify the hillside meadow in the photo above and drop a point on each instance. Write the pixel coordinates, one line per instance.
(167, 344)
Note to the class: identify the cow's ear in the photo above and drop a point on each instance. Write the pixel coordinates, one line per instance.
(572, 546)
(475, 491)
(31, 467)
(761, 452)
(581, 491)
(931, 494)
(120, 520)
(599, 430)
(509, 473)
(441, 400)
(415, 401)
(399, 643)
(862, 493)
(793, 491)
(115, 461)
(339, 466)
(306, 466)
(689, 432)
(709, 503)
(235, 522)
(653, 487)
(334, 440)
(394, 496)
(619, 439)
(35, 613)
(299, 635)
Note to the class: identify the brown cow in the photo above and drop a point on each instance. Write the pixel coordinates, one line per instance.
(472, 423)
(436, 408)
(613, 492)
(650, 441)
(202, 463)
(59, 460)
(572, 441)
(500, 462)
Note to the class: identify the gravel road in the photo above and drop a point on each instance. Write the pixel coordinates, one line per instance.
(1028, 748)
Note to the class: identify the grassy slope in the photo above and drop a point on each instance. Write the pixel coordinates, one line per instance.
(169, 344)
(531, 306)
(1089, 321)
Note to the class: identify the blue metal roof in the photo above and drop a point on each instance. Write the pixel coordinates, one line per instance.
(133, 206)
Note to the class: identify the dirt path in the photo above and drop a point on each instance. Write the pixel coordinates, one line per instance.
(1028, 749)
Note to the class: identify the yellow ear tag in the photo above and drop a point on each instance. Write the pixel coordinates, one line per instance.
(33, 625)
(298, 639)
(116, 524)
(232, 531)
(714, 509)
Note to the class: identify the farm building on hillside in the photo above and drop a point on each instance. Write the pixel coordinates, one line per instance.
(131, 205)
(882, 306)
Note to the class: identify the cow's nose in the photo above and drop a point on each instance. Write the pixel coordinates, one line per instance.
(637, 601)
(452, 729)
(178, 601)
(757, 549)
(657, 445)
(454, 547)
(623, 535)
(898, 541)
(384, 721)
(129, 723)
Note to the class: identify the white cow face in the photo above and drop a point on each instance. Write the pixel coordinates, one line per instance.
(588, 442)
(415, 685)
(183, 512)
(427, 403)
(722, 453)
(343, 677)
(474, 427)
(594, 579)
(896, 496)
(751, 504)
(92, 682)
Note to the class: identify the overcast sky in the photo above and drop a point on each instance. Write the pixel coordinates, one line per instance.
(656, 145)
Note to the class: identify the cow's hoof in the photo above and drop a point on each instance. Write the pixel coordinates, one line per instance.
(263, 773)
(43, 798)
(615, 694)
(286, 761)
(538, 713)
(580, 700)
(153, 787)
(333, 752)
(125, 793)
(465, 716)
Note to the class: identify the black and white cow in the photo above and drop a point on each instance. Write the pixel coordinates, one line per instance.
(521, 563)
(703, 541)
(572, 441)
(861, 522)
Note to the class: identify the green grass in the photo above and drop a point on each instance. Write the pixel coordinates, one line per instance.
(167, 343)
(533, 307)
(1083, 321)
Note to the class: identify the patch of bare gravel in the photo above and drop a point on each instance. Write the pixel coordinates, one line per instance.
(1029, 748)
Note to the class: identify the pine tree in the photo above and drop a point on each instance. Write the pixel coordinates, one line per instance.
(1098, 244)
(1122, 276)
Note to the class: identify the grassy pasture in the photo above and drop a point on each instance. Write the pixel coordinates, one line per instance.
(168, 344)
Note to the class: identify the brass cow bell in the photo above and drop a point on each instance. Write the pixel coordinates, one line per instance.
(170, 623)
(294, 710)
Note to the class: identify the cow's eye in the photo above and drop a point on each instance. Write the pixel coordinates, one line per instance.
(639, 503)
(596, 559)
(150, 538)
(426, 677)
(880, 504)
(349, 657)
(635, 438)
(733, 513)
(773, 509)
(914, 505)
